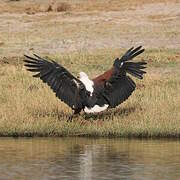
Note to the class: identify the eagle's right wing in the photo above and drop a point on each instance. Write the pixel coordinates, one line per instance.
(116, 85)
(63, 83)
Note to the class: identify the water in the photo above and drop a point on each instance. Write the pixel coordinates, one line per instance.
(88, 159)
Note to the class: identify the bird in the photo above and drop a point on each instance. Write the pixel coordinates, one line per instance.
(96, 95)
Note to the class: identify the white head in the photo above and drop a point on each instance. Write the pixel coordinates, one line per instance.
(83, 77)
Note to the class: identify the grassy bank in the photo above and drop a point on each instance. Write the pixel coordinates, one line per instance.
(29, 108)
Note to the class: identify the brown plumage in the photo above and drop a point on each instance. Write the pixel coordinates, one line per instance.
(104, 77)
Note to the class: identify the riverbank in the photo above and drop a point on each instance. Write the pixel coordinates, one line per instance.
(87, 36)
(30, 108)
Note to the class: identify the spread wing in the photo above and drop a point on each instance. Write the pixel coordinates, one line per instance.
(63, 83)
(116, 85)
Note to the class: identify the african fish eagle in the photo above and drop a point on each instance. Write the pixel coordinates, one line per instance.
(105, 91)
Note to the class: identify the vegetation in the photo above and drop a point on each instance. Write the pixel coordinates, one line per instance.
(87, 36)
(29, 107)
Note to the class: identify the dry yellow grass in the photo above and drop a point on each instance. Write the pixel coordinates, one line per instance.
(88, 25)
(29, 107)
(36, 6)
(87, 35)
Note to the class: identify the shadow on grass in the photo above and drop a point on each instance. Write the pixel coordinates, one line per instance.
(110, 114)
(64, 116)
(54, 113)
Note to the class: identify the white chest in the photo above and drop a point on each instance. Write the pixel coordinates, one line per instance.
(89, 87)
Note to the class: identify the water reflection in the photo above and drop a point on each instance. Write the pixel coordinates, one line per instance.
(86, 159)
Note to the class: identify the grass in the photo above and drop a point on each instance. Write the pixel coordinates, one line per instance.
(92, 32)
(21, 6)
(29, 107)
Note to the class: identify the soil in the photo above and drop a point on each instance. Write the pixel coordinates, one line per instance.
(49, 27)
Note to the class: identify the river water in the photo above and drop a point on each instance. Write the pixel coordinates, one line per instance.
(88, 159)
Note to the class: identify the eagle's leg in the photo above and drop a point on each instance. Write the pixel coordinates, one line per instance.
(75, 114)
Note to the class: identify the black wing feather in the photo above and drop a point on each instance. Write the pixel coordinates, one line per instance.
(62, 82)
(120, 90)
(120, 86)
